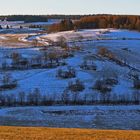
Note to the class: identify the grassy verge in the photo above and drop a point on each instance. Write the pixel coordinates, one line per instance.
(28, 133)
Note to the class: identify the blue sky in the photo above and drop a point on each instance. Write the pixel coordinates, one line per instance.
(69, 7)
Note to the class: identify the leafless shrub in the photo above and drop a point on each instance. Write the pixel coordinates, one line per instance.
(76, 86)
(106, 53)
(68, 73)
(88, 66)
(102, 86)
(136, 82)
(7, 82)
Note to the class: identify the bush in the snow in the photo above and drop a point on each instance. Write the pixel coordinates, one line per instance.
(76, 86)
(102, 51)
(22, 63)
(102, 86)
(18, 62)
(47, 60)
(7, 82)
(68, 73)
(111, 81)
(136, 82)
(106, 53)
(15, 56)
(51, 60)
(87, 65)
(62, 42)
(109, 78)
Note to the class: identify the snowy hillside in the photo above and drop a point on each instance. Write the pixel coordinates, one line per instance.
(114, 70)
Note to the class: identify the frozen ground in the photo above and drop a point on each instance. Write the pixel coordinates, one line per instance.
(47, 82)
(99, 117)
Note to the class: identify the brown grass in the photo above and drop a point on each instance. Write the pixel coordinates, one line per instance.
(27, 133)
(12, 40)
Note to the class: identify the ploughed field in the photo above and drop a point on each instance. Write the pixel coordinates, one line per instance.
(20, 133)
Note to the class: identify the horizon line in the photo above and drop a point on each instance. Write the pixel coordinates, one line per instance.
(67, 14)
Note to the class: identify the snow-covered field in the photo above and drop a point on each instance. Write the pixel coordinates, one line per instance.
(124, 44)
(97, 117)
(46, 80)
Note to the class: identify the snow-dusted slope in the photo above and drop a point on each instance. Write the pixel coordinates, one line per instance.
(89, 41)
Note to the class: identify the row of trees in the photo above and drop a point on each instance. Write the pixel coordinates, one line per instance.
(64, 25)
(110, 21)
(99, 21)
(44, 60)
(22, 17)
(35, 98)
(25, 18)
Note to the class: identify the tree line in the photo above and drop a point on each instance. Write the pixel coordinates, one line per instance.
(25, 18)
(99, 21)
(21, 17)
(38, 18)
(35, 98)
